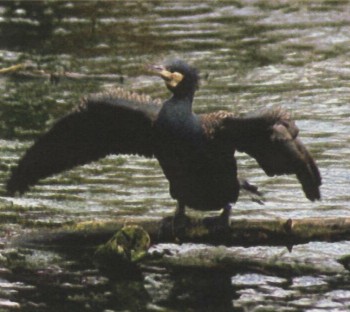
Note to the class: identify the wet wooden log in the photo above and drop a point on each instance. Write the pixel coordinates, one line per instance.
(29, 71)
(203, 255)
(240, 232)
(264, 260)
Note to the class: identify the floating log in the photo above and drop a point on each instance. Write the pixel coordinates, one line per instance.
(229, 254)
(29, 71)
(264, 260)
(240, 232)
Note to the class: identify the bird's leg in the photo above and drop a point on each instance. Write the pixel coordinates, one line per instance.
(180, 209)
(174, 227)
(225, 215)
(180, 220)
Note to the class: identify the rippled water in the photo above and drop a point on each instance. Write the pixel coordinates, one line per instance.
(250, 53)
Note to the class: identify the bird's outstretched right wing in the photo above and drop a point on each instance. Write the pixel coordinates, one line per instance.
(271, 137)
(115, 122)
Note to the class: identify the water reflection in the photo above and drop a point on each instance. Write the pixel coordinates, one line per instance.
(251, 54)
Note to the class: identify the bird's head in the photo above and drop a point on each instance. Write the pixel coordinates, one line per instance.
(180, 78)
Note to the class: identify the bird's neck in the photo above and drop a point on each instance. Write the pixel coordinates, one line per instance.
(176, 113)
(182, 103)
(185, 95)
(177, 110)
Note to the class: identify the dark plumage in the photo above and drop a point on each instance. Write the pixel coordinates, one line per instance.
(196, 152)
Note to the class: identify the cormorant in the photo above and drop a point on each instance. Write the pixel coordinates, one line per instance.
(196, 152)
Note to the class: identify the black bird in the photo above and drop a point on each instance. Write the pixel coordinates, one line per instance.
(196, 152)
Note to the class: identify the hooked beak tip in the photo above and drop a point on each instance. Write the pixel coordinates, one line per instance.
(155, 68)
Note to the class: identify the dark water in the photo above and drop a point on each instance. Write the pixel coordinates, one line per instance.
(251, 54)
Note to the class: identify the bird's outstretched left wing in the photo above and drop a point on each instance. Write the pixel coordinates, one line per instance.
(271, 137)
(115, 122)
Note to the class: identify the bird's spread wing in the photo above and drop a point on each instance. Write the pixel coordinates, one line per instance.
(270, 136)
(114, 122)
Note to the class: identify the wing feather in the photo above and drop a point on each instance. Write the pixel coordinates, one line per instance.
(271, 137)
(106, 123)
